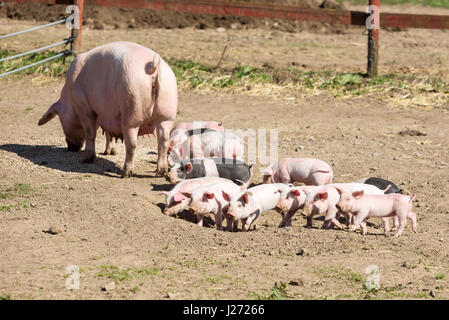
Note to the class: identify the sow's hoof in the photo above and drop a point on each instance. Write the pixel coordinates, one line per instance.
(161, 173)
(127, 174)
(112, 152)
(89, 159)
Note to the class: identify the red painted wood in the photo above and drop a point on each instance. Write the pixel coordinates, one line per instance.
(80, 4)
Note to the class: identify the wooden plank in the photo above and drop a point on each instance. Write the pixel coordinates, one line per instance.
(373, 38)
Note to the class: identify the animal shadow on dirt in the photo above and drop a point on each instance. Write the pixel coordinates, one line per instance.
(60, 159)
(189, 216)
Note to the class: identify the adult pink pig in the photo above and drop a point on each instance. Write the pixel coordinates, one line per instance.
(124, 88)
(306, 170)
(364, 206)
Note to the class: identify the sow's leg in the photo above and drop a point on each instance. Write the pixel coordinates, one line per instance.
(130, 137)
(110, 145)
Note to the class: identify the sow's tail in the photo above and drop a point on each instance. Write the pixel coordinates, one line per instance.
(155, 74)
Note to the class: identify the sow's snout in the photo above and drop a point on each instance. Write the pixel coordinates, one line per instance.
(73, 147)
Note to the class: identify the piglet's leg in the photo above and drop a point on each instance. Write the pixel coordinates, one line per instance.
(412, 217)
(130, 136)
(402, 223)
(386, 225)
(229, 224)
(163, 139)
(200, 218)
(363, 226)
(218, 220)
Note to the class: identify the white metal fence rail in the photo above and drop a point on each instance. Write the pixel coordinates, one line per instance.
(56, 56)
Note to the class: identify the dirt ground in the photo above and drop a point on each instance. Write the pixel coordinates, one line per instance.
(113, 228)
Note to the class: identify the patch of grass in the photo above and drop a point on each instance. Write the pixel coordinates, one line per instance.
(5, 296)
(392, 292)
(440, 276)
(5, 207)
(126, 274)
(283, 83)
(21, 190)
(430, 3)
(54, 68)
(341, 273)
(29, 109)
(215, 280)
(277, 292)
(190, 263)
(292, 82)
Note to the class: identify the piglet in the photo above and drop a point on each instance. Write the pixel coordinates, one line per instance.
(185, 126)
(381, 184)
(178, 198)
(306, 170)
(323, 199)
(364, 206)
(291, 200)
(234, 170)
(213, 198)
(248, 205)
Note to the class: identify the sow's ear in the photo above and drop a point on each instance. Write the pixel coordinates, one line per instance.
(50, 114)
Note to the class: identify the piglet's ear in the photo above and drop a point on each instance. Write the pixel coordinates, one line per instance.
(295, 192)
(358, 194)
(209, 195)
(245, 198)
(323, 196)
(339, 190)
(226, 196)
(186, 194)
(178, 197)
(188, 167)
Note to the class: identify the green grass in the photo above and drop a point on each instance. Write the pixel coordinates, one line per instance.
(440, 276)
(8, 196)
(277, 292)
(53, 68)
(5, 296)
(430, 3)
(125, 274)
(287, 82)
(341, 273)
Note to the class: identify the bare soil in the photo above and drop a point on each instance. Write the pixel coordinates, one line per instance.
(115, 18)
(114, 230)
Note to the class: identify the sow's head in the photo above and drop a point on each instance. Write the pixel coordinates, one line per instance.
(71, 125)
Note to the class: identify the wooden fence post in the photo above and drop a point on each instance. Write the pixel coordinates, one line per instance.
(373, 25)
(80, 4)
